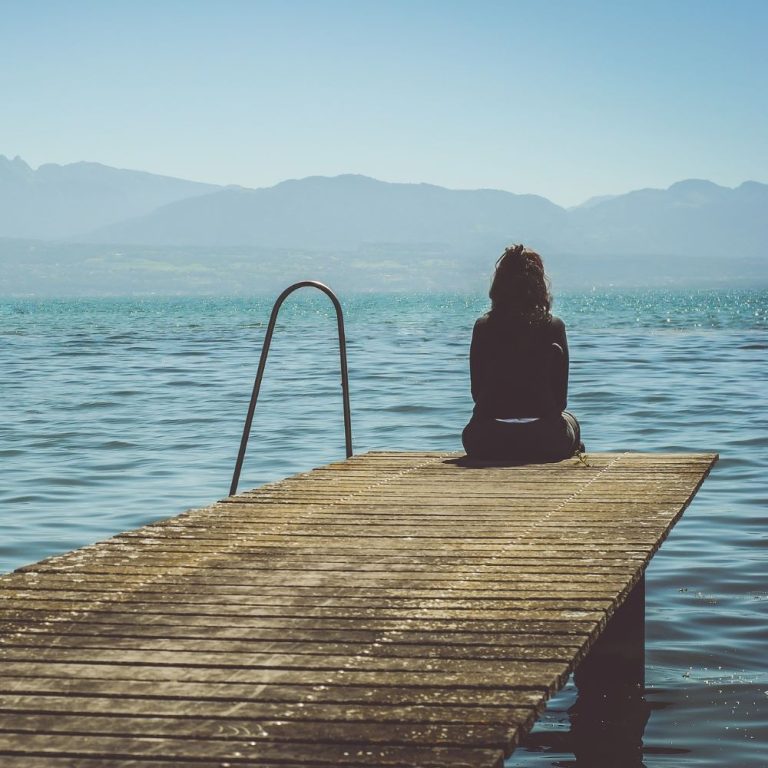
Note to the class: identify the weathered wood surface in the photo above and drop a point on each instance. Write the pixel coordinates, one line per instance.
(394, 609)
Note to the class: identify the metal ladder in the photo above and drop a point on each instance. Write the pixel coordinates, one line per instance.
(263, 361)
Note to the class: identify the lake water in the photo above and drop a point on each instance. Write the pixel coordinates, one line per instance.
(116, 412)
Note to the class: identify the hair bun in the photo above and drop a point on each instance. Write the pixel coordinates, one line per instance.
(514, 259)
(514, 251)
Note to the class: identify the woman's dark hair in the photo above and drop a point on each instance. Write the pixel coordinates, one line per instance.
(520, 287)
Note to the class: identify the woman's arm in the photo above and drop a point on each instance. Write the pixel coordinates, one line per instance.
(560, 383)
(474, 362)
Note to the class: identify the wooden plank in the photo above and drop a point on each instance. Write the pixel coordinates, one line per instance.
(186, 693)
(395, 609)
(228, 710)
(242, 749)
(561, 647)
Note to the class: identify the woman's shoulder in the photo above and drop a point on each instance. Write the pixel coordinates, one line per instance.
(556, 323)
(556, 330)
(482, 322)
(487, 323)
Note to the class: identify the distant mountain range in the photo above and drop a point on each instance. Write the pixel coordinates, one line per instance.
(62, 201)
(693, 225)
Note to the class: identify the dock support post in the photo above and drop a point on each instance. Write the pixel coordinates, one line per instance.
(616, 662)
(609, 717)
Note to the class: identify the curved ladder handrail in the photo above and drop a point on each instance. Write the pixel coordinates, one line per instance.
(263, 361)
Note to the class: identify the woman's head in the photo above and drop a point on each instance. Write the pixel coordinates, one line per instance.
(519, 285)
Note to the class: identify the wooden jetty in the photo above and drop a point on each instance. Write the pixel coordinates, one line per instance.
(393, 609)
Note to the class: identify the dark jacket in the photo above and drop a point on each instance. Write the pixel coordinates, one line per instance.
(515, 370)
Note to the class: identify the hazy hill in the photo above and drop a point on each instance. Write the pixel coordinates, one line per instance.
(341, 212)
(89, 202)
(89, 229)
(691, 218)
(58, 201)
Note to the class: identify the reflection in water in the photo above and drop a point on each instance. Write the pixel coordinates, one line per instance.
(607, 727)
(606, 732)
(610, 714)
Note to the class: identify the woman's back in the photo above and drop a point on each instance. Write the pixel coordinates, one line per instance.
(515, 371)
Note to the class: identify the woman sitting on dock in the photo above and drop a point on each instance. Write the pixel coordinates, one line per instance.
(519, 370)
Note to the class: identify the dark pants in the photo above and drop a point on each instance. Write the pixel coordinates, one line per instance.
(548, 439)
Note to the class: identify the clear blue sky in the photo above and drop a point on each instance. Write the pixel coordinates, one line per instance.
(563, 98)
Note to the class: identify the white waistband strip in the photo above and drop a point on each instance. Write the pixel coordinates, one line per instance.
(524, 420)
